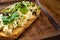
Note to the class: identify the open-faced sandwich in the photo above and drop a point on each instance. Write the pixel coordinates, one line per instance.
(17, 17)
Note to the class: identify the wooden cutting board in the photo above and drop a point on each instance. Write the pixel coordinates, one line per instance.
(41, 28)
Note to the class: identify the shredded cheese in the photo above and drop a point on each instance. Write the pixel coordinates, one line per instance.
(22, 19)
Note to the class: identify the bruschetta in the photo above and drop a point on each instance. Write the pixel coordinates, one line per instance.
(16, 18)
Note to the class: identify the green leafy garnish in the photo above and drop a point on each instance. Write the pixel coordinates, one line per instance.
(13, 10)
(21, 7)
(15, 7)
(5, 19)
(13, 16)
(10, 9)
(8, 19)
(23, 10)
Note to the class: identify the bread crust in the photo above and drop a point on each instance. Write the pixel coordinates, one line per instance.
(19, 30)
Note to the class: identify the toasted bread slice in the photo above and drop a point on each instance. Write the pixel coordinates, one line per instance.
(18, 31)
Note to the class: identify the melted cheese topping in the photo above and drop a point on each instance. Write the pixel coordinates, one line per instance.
(21, 21)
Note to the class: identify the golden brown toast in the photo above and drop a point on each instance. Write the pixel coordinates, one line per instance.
(19, 30)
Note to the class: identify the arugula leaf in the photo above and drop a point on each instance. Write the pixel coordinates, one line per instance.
(23, 10)
(7, 19)
(13, 16)
(21, 7)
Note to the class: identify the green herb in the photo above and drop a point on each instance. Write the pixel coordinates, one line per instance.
(13, 16)
(23, 10)
(9, 10)
(7, 19)
(17, 6)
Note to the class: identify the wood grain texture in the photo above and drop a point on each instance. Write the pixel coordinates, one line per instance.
(6, 1)
(41, 28)
(53, 7)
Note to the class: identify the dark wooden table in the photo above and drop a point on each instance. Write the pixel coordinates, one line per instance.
(41, 28)
(53, 7)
